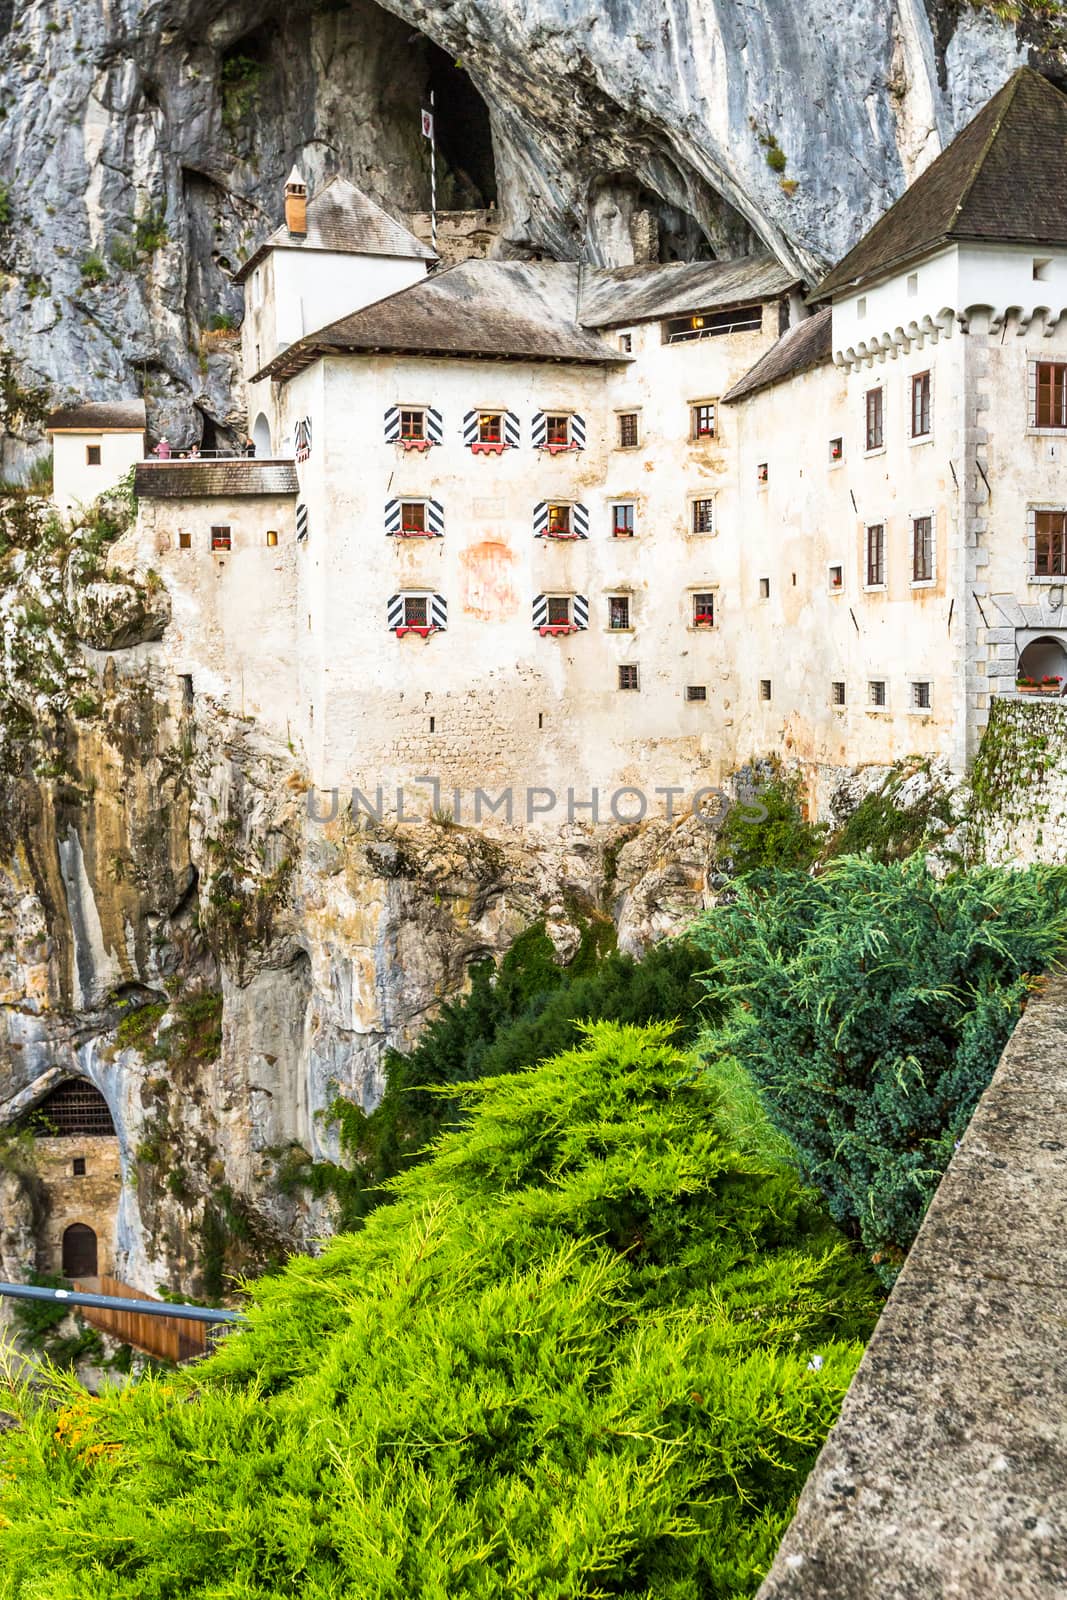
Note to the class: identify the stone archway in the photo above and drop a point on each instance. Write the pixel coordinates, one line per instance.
(261, 437)
(80, 1258)
(1044, 657)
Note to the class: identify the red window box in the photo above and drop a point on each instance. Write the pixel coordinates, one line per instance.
(554, 628)
(567, 534)
(488, 447)
(415, 444)
(416, 533)
(703, 619)
(558, 449)
(423, 632)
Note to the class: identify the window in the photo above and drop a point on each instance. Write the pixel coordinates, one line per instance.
(702, 420)
(739, 319)
(861, 306)
(490, 428)
(703, 516)
(92, 455)
(837, 449)
(78, 1166)
(765, 588)
(626, 343)
(1051, 406)
(185, 539)
(875, 422)
(619, 612)
(559, 522)
(628, 431)
(416, 611)
(876, 693)
(703, 611)
(412, 426)
(696, 691)
(922, 549)
(220, 538)
(272, 537)
(761, 473)
(557, 430)
(1042, 269)
(835, 577)
(413, 516)
(622, 521)
(876, 556)
(913, 283)
(257, 287)
(559, 611)
(920, 696)
(628, 678)
(837, 693)
(1050, 544)
(765, 688)
(920, 405)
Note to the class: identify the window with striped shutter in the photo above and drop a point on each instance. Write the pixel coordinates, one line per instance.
(414, 518)
(417, 612)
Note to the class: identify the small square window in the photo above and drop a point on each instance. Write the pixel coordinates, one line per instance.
(837, 449)
(78, 1166)
(416, 611)
(920, 696)
(628, 678)
(836, 578)
(626, 343)
(1042, 269)
(696, 691)
(702, 420)
(185, 539)
(628, 430)
(272, 537)
(619, 612)
(558, 430)
(765, 688)
(837, 693)
(703, 516)
(92, 455)
(559, 611)
(761, 473)
(490, 427)
(765, 588)
(559, 521)
(413, 516)
(412, 425)
(704, 610)
(876, 692)
(622, 521)
(220, 538)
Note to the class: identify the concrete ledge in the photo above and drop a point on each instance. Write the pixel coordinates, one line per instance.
(946, 1475)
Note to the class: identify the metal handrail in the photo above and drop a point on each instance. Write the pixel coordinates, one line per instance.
(111, 1302)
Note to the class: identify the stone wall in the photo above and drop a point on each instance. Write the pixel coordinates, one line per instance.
(1019, 783)
(91, 1198)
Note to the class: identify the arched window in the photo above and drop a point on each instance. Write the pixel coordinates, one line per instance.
(79, 1251)
(75, 1110)
(261, 437)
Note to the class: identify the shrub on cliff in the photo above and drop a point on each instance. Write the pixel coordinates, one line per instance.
(871, 1005)
(576, 1358)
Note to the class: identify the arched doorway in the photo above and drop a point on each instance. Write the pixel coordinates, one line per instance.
(79, 1251)
(261, 437)
(1044, 657)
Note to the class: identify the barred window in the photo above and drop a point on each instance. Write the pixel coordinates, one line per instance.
(837, 693)
(416, 611)
(876, 692)
(628, 678)
(920, 696)
(628, 434)
(559, 611)
(75, 1109)
(765, 688)
(703, 516)
(696, 691)
(619, 611)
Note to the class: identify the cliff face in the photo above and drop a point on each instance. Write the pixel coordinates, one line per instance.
(143, 144)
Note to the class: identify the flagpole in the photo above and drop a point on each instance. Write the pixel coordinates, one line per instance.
(433, 173)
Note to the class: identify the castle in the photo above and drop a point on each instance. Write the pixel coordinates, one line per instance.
(523, 524)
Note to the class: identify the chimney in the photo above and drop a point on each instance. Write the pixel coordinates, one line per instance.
(296, 205)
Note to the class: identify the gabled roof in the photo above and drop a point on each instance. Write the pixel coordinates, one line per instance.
(614, 297)
(342, 219)
(800, 348)
(494, 309)
(99, 416)
(231, 477)
(1003, 179)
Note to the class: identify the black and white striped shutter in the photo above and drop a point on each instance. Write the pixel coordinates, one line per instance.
(435, 517)
(581, 611)
(540, 519)
(392, 516)
(539, 431)
(580, 521)
(438, 612)
(301, 523)
(540, 611)
(303, 439)
(435, 429)
(470, 428)
(578, 431)
(395, 612)
(511, 430)
(392, 425)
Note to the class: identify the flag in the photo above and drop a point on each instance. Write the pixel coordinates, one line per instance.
(427, 124)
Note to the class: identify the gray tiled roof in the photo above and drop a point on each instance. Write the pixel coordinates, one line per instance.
(97, 416)
(616, 297)
(207, 480)
(798, 350)
(516, 309)
(342, 218)
(1004, 178)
